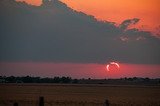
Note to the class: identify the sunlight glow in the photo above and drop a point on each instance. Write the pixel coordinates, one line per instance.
(112, 63)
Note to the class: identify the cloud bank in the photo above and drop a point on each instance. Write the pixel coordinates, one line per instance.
(54, 32)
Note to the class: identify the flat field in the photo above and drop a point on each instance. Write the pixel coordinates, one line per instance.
(79, 95)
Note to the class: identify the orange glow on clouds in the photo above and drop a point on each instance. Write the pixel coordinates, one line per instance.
(33, 2)
(118, 10)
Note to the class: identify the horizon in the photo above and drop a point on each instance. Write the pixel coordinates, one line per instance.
(122, 78)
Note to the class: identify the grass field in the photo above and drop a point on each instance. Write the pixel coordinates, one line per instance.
(78, 95)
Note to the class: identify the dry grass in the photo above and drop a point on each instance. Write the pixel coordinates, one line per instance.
(78, 95)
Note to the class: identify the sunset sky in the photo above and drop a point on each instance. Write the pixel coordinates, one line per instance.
(118, 10)
(85, 56)
(79, 70)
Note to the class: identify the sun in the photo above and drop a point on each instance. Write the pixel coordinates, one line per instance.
(112, 66)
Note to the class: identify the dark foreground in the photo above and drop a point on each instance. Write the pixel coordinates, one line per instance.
(79, 95)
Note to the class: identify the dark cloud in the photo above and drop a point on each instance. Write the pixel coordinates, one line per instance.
(53, 32)
(125, 24)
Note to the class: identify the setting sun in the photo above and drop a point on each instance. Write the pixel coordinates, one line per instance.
(112, 66)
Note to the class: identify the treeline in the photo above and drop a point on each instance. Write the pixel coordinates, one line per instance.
(69, 80)
(29, 79)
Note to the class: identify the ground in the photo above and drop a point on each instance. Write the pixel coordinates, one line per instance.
(79, 95)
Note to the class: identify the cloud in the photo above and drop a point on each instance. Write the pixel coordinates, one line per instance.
(125, 24)
(54, 32)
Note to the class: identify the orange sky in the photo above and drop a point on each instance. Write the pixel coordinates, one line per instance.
(118, 10)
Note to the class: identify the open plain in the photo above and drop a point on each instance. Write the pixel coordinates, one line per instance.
(79, 95)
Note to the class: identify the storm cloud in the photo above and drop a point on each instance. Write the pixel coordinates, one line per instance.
(54, 32)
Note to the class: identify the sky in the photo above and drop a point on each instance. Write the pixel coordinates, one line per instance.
(118, 10)
(92, 70)
(79, 38)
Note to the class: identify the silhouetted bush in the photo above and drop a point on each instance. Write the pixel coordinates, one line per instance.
(75, 81)
(63, 79)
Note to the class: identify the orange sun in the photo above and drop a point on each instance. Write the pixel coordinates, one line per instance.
(112, 66)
